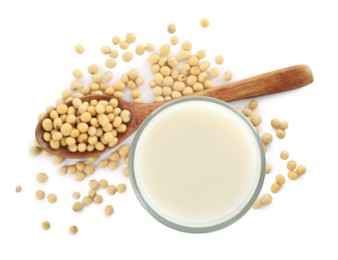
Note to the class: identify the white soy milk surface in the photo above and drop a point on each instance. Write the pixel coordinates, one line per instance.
(197, 163)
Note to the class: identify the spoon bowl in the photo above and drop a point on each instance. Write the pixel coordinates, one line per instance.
(268, 83)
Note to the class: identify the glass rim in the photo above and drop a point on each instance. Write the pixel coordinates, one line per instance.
(165, 221)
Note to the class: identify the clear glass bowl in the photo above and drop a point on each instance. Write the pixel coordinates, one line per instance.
(237, 213)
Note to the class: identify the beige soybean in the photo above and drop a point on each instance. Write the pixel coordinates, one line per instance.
(150, 47)
(267, 169)
(301, 170)
(93, 68)
(193, 61)
(127, 56)
(227, 75)
(73, 230)
(110, 63)
(165, 70)
(165, 50)
(105, 49)
(114, 156)
(292, 175)
(124, 150)
(284, 125)
(176, 94)
(126, 160)
(92, 193)
(35, 150)
(126, 171)
(52, 198)
(45, 225)
(204, 65)
(153, 58)
(124, 45)
(58, 159)
(284, 155)
(280, 133)
(187, 91)
(18, 189)
(267, 138)
(98, 199)
(116, 40)
(183, 55)
(186, 45)
(139, 81)
(130, 37)
(201, 54)
(39, 194)
(80, 176)
(266, 199)
(140, 49)
(253, 104)
(89, 169)
(113, 54)
(108, 210)
(280, 179)
(256, 120)
(77, 206)
(204, 22)
(93, 184)
(121, 188)
(111, 189)
(275, 123)
(63, 170)
(76, 195)
(275, 187)
(103, 184)
(257, 204)
(86, 200)
(208, 84)
(103, 163)
(96, 78)
(75, 85)
(291, 165)
(171, 28)
(219, 59)
(41, 177)
(247, 112)
(77, 74)
(174, 40)
(79, 48)
(213, 72)
(158, 99)
(157, 91)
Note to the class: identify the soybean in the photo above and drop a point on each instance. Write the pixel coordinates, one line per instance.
(52, 198)
(121, 188)
(18, 189)
(79, 48)
(41, 177)
(301, 170)
(204, 22)
(73, 229)
(40, 194)
(108, 210)
(266, 199)
(284, 155)
(45, 225)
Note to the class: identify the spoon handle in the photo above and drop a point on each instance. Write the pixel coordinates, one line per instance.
(268, 83)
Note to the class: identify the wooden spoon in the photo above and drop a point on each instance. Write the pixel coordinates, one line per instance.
(268, 83)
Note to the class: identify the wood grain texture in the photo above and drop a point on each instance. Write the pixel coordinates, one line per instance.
(268, 83)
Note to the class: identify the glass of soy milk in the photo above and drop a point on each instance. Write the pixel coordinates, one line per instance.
(197, 164)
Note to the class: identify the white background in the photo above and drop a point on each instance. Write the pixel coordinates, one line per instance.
(36, 60)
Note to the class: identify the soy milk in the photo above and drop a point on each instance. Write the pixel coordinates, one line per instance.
(197, 163)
